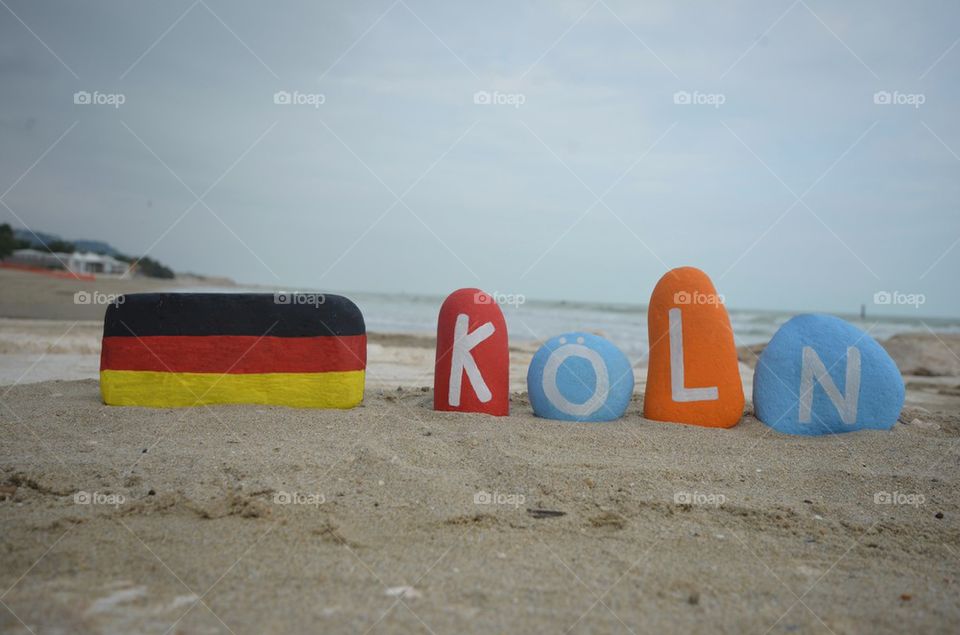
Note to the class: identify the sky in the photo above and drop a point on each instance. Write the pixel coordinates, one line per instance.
(804, 153)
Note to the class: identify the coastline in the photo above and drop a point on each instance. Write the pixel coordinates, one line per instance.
(46, 335)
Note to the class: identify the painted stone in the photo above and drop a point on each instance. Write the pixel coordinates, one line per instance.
(472, 372)
(822, 375)
(580, 377)
(693, 375)
(190, 349)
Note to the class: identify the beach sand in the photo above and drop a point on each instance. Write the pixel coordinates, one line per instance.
(394, 518)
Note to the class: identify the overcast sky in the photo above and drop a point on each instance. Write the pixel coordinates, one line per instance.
(584, 179)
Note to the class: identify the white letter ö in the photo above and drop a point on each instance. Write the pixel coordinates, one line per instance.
(600, 391)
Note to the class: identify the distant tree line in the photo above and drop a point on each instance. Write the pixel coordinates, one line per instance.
(8, 242)
(146, 266)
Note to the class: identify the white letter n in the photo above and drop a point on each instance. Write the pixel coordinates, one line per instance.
(813, 369)
(462, 360)
(677, 388)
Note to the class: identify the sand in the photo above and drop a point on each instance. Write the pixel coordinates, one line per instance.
(394, 518)
(31, 295)
(190, 504)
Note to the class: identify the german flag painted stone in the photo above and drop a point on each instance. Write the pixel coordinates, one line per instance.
(190, 349)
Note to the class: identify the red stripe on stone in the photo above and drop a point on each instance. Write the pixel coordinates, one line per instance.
(234, 354)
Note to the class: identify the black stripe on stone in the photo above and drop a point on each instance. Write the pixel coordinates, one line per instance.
(146, 314)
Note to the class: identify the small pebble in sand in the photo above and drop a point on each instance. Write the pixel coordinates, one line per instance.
(906, 597)
(546, 513)
(111, 601)
(694, 598)
(404, 592)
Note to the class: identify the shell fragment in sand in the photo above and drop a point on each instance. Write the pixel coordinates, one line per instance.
(403, 592)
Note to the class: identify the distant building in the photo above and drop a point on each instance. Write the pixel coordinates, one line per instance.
(97, 263)
(79, 263)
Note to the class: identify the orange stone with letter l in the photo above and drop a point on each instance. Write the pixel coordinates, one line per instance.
(693, 376)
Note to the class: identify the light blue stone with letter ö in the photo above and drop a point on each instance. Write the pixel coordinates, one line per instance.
(822, 375)
(580, 377)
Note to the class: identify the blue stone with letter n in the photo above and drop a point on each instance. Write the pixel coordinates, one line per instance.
(822, 375)
(580, 377)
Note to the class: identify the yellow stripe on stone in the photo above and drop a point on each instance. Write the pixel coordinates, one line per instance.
(176, 390)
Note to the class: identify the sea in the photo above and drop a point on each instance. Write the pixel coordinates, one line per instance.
(624, 324)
